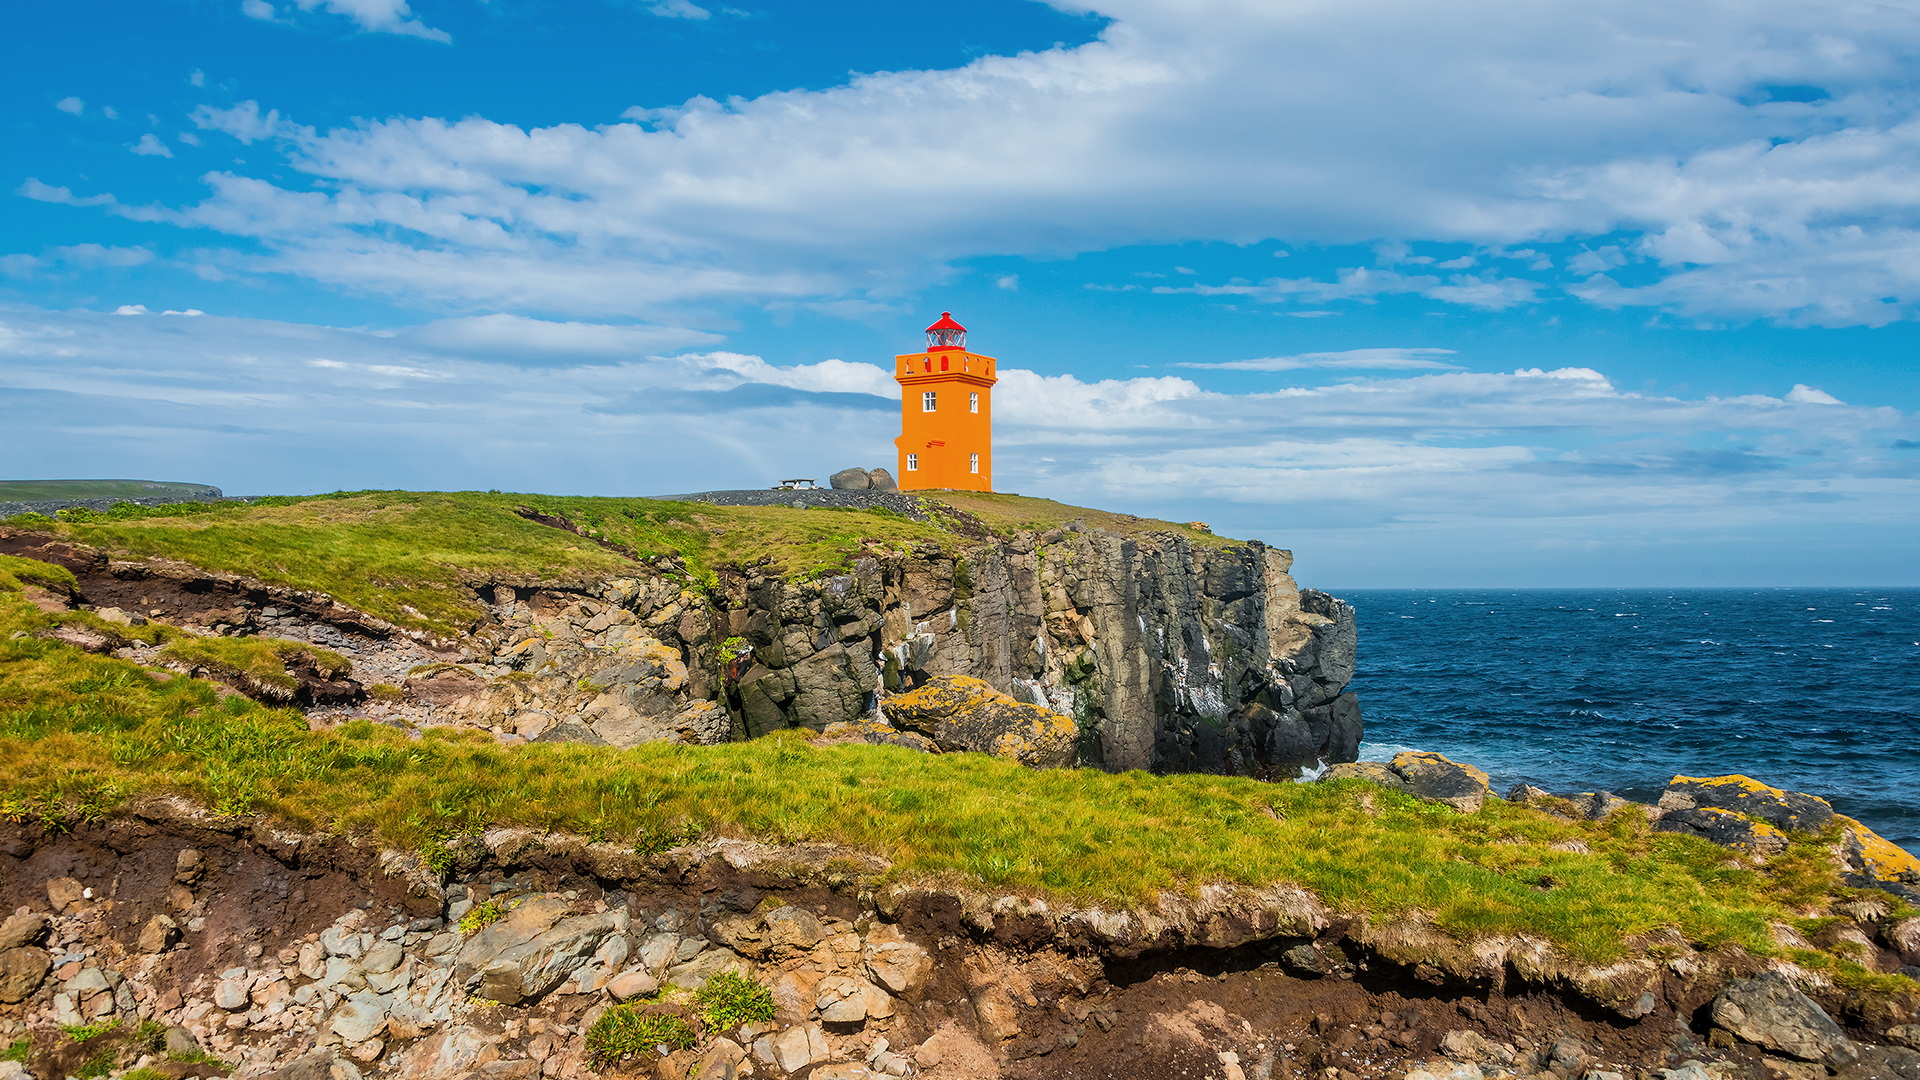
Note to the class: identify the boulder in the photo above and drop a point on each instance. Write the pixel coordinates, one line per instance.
(876, 733)
(694, 973)
(1430, 776)
(361, 1017)
(1769, 1012)
(894, 962)
(1787, 811)
(66, 895)
(529, 970)
(1907, 1035)
(962, 713)
(632, 984)
(159, 933)
(319, 1065)
(794, 928)
(1724, 827)
(20, 930)
(881, 480)
(851, 480)
(570, 731)
(795, 1048)
(22, 970)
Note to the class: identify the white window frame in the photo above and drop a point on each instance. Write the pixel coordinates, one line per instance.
(927, 401)
(973, 402)
(975, 462)
(913, 462)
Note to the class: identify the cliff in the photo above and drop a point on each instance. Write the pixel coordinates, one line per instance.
(1173, 650)
(1168, 656)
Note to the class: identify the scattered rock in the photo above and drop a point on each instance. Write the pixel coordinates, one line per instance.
(1769, 1012)
(959, 712)
(66, 895)
(319, 1065)
(22, 970)
(894, 962)
(1726, 828)
(1789, 811)
(1907, 1035)
(1430, 776)
(159, 933)
(632, 984)
(188, 867)
(31, 928)
(361, 1017)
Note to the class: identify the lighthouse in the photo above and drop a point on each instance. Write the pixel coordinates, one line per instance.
(946, 412)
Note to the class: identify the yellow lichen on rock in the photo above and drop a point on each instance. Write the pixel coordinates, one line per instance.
(1875, 856)
(959, 712)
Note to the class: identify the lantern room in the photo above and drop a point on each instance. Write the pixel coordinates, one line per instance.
(946, 412)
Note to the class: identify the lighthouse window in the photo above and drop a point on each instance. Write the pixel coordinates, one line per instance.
(926, 401)
(973, 462)
(913, 462)
(973, 405)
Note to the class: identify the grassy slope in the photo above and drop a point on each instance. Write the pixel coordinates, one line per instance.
(83, 733)
(401, 555)
(43, 490)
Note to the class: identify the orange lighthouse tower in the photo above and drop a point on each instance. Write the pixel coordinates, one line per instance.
(946, 412)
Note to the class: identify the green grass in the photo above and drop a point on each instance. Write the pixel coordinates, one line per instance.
(405, 556)
(82, 734)
(83, 1032)
(17, 1051)
(729, 1000)
(484, 915)
(625, 1031)
(1007, 514)
(16, 572)
(259, 664)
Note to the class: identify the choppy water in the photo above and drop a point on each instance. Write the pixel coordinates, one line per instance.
(1814, 690)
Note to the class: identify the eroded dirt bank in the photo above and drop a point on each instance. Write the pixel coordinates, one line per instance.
(258, 950)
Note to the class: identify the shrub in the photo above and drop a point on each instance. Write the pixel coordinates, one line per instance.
(729, 1000)
(625, 1031)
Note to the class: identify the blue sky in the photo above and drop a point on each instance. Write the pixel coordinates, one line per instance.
(1492, 294)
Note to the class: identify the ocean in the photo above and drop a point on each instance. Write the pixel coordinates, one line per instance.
(1814, 690)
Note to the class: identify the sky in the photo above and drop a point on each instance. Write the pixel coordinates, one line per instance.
(1493, 293)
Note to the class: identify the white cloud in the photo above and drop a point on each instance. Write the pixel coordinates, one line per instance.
(110, 112)
(70, 105)
(1498, 123)
(76, 256)
(189, 138)
(1011, 282)
(679, 9)
(130, 309)
(378, 16)
(244, 122)
(197, 78)
(512, 336)
(1812, 395)
(1390, 359)
(149, 146)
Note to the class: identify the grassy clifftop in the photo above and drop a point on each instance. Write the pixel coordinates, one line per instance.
(403, 555)
(83, 734)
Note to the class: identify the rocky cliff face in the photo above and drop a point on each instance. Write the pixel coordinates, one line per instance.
(1168, 655)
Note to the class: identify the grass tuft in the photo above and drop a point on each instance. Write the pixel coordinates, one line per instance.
(484, 915)
(16, 572)
(627, 1030)
(729, 1000)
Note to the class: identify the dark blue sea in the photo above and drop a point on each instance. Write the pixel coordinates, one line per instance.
(1814, 690)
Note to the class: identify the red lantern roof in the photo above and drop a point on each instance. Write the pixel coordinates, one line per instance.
(946, 334)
